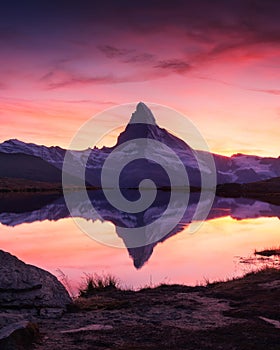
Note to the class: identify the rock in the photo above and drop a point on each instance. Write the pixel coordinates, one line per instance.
(91, 327)
(18, 335)
(8, 318)
(275, 323)
(17, 332)
(28, 288)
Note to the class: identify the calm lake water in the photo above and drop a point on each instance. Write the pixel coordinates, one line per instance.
(45, 236)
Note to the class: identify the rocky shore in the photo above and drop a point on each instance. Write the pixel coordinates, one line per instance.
(237, 314)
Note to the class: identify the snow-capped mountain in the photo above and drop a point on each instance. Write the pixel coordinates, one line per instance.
(238, 168)
(242, 168)
(52, 155)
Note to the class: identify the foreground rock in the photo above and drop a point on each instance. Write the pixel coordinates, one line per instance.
(18, 335)
(27, 288)
(26, 292)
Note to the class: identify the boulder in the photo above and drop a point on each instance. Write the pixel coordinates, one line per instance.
(18, 335)
(26, 287)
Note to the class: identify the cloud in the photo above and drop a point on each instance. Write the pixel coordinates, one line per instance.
(147, 67)
(59, 78)
(131, 56)
(203, 20)
(153, 69)
(174, 65)
(214, 22)
(76, 79)
(266, 91)
(113, 52)
(90, 102)
(56, 79)
(154, 39)
(140, 58)
(126, 55)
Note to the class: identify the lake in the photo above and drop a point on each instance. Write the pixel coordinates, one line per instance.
(38, 230)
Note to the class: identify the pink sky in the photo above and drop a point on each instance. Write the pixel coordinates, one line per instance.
(216, 63)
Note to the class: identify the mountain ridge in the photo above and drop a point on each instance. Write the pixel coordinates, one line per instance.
(239, 168)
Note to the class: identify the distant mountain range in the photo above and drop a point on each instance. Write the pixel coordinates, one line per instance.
(29, 167)
(40, 163)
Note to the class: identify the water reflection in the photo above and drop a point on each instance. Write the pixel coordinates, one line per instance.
(29, 208)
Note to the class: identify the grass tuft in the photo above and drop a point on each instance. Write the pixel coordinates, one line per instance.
(268, 252)
(94, 283)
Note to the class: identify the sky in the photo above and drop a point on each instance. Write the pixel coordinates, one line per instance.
(217, 62)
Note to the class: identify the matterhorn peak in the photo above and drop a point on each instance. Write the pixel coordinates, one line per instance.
(142, 115)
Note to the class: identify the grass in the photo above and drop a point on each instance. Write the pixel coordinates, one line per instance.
(64, 279)
(268, 252)
(261, 272)
(103, 291)
(171, 316)
(95, 283)
(256, 294)
(253, 295)
(248, 282)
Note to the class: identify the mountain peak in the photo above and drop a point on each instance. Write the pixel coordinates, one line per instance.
(142, 115)
(12, 144)
(13, 141)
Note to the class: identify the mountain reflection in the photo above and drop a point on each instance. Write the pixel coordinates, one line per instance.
(16, 209)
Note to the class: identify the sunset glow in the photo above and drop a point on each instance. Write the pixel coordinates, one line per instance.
(183, 258)
(215, 62)
(140, 174)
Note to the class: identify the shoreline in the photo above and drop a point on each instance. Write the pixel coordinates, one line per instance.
(223, 191)
(237, 314)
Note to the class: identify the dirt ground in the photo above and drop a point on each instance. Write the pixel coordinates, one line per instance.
(238, 314)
